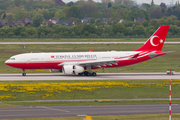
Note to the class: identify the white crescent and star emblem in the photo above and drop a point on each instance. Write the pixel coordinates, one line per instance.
(152, 43)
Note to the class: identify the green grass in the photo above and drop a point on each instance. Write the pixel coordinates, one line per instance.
(76, 81)
(7, 105)
(112, 117)
(67, 103)
(115, 92)
(78, 39)
(159, 64)
(110, 93)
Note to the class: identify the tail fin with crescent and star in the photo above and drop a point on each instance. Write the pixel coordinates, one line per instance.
(156, 41)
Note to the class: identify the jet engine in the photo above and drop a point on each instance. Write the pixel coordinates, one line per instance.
(55, 70)
(72, 69)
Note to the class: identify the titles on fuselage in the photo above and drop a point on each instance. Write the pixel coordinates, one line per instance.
(74, 56)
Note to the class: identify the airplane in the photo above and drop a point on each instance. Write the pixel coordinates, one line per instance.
(82, 63)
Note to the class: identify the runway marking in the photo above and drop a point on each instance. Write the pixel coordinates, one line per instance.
(56, 109)
(81, 115)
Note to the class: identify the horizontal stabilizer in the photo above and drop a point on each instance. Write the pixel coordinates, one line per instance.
(170, 51)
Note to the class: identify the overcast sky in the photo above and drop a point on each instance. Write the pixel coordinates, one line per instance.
(158, 2)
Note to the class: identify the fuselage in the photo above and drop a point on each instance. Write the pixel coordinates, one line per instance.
(52, 60)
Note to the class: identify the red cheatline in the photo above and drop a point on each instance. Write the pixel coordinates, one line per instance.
(52, 56)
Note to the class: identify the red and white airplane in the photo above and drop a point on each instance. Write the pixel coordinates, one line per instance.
(82, 63)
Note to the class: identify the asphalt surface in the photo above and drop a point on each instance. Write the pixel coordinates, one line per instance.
(81, 42)
(100, 76)
(91, 110)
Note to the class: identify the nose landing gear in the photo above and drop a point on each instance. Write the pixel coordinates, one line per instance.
(23, 74)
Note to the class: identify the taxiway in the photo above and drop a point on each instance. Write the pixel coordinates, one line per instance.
(91, 110)
(100, 76)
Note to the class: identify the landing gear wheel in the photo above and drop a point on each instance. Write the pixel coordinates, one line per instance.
(80, 74)
(86, 73)
(89, 74)
(23, 74)
(93, 74)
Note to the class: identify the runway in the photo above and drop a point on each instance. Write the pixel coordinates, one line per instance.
(81, 42)
(100, 76)
(91, 110)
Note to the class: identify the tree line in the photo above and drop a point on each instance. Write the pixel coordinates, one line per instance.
(129, 29)
(39, 10)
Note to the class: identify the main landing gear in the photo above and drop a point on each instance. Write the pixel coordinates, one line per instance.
(88, 73)
(23, 74)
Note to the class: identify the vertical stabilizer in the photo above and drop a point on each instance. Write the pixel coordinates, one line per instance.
(156, 41)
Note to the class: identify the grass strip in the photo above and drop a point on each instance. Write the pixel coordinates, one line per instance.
(109, 89)
(79, 39)
(100, 102)
(78, 81)
(175, 116)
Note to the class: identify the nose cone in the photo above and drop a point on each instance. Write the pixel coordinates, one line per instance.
(9, 63)
(6, 62)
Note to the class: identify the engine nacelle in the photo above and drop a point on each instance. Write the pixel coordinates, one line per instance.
(55, 70)
(72, 69)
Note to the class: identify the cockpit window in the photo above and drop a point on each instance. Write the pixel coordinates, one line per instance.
(11, 58)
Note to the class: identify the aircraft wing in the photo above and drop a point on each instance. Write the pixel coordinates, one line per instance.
(96, 63)
(102, 62)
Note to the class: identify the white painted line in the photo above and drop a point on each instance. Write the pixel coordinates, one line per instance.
(81, 115)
